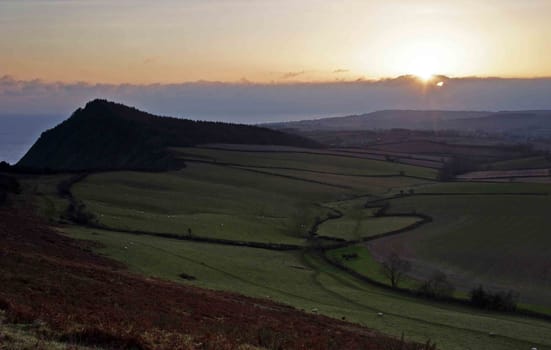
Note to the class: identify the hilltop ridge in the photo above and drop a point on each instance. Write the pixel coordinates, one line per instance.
(520, 123)
(109, 136)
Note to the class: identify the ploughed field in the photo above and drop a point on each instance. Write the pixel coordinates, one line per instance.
(279, 206)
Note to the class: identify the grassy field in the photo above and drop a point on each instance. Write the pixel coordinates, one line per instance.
(313, 162)
(521, 163)
(356, 183)
(365, 264)
(497, 240)
(306, 282)
(222, 202)
(484, 188)
(42, 192)
(481, 235)
(212, 201)
(358, 222)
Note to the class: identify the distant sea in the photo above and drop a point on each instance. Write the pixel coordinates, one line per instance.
(19, 133)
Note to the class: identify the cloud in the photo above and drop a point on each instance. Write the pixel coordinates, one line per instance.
(339, 71)
(290, 75)
(250, 102)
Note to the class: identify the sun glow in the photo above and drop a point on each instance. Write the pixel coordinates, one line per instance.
(425, 76)
(423, 65)
(425, 58)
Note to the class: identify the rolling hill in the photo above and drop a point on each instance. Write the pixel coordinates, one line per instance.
(106, 135)
(56, 294)
(530, 123)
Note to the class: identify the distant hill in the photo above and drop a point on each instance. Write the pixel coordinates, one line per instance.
(526, 123)
(107, 136)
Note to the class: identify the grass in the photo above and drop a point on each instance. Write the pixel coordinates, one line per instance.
(24, 337)
(229, 203)
(212, 201)
(306, 282)
(357, 183)
(501, 241)
(313, 162)
(365, 264)
(359, 222)
(484, 187)
(35, 335)
(42, 192)
(480, 237)
(521, 163)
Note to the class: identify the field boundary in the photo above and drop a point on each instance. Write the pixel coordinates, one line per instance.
(201, 239)
(244, 166)
(335, 154)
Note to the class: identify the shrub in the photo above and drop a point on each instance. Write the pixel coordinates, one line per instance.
(437, 286)
(350, 256)
(76, 212)
(497, 301)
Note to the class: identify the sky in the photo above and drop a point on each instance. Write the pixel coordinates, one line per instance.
(162, 54)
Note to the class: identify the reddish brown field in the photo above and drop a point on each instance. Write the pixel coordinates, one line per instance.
(90, 300)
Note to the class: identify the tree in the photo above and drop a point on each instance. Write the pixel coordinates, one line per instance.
(395, 268)
(498, 301)
(437, 286)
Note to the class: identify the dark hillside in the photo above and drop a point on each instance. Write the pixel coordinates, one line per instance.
(8, 185)
(107, 135)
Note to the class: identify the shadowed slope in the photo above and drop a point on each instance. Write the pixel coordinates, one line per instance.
(107, 135)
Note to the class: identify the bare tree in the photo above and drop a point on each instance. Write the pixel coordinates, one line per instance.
(395, 268)
(437, 286)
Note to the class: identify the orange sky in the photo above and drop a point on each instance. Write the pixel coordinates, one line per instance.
(171, 41)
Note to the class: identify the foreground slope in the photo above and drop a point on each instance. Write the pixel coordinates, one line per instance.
(107, 135)
(297, 277)
(89, 300)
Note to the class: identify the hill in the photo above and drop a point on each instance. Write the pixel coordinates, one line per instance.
(387, 119)
(527, 123)
(241, 220)
(57, 280)
(106, 135)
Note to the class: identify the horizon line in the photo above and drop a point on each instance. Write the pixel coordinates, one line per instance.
(282, 82)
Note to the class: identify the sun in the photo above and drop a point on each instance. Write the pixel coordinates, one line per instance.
(424, 58)
(423, 66)
(425, 76)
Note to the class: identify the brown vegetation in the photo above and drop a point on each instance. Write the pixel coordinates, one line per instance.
(86, 299)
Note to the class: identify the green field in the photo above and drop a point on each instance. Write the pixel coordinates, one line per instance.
(42, 192)
(306, 282)
(484, 188)
(260, 201)
(365, 264)
(494, 240)
(219, 202)
(536, 162)
(213, 201)
(358, 222)
(312, 162)
(371, 185)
